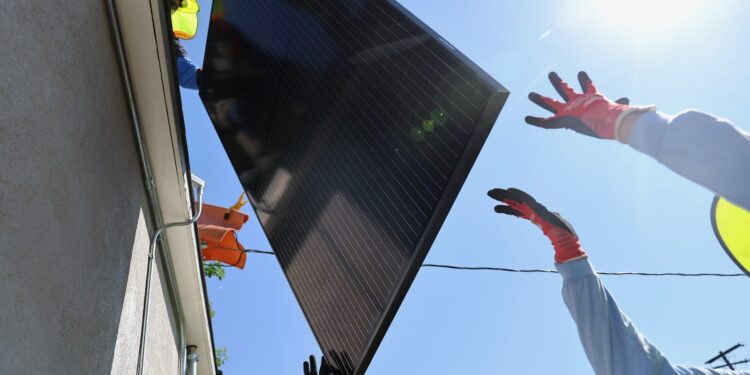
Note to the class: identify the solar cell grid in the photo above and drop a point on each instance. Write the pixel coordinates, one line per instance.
(351, 126)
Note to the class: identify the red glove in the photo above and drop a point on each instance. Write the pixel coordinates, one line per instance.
(589, 113)
(559, 231)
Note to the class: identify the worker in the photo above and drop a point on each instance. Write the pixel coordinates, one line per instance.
(187, 72)
(611, 341)
(702, 148)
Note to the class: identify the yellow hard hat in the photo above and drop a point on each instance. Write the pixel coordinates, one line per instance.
(731, 225)
(185, 19)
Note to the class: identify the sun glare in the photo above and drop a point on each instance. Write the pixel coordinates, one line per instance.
(639, 18)
(647, 15)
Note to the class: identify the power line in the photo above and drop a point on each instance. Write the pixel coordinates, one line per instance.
(514, 270)
(682, 274)
(260, 252)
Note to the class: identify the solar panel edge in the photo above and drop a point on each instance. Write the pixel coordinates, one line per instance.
(457, 179)
(464, 59)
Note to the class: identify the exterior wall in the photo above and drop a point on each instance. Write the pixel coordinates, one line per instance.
(73, 214)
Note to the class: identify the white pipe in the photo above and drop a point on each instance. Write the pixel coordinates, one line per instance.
(192, 360)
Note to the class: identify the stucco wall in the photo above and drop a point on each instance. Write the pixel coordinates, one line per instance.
(73, 215)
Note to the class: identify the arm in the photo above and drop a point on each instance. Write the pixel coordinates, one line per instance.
(704, 149)
(187, 72)
(613, 345)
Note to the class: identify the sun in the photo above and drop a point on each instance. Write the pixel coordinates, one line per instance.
(636, 18)
(647, 15)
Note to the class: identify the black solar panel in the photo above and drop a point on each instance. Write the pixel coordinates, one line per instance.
(352, 127)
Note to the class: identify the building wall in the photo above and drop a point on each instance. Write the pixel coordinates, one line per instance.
(73, 214)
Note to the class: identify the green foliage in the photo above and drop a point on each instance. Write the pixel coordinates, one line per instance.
(213, 269)
(221, 355)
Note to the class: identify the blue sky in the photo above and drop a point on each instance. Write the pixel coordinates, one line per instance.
(631, 213)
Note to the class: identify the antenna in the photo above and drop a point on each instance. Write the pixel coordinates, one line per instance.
(723, 355)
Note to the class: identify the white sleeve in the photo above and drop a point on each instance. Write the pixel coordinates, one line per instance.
(613, 345)
(702, 148)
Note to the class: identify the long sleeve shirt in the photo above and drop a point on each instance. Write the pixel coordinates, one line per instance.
(704, 149)
(612, 343)
(187, 72)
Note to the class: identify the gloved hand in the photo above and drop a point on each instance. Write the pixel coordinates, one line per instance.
(589, 113)
(311, 368)
(560, 232)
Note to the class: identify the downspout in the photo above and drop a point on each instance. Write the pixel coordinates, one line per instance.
(192, 360)
(148, 179)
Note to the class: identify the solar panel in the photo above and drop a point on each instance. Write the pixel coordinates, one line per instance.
(352, 127)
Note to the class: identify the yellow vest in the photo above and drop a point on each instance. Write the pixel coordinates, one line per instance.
(731, 225)
(185, 19)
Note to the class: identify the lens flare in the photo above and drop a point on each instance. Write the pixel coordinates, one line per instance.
(417, 134)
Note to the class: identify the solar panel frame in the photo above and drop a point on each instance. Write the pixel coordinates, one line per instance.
(450, 192)
(488, 118)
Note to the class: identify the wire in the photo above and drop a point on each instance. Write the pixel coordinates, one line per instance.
(682, 274)
(260, 252)
(502, 269)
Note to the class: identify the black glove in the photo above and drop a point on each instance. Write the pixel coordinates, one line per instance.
(311, 368)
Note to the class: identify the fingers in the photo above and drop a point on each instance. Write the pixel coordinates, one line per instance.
(498, 194)
(544, 123)
(516, 202)
(512, 197)
(507, 210)
(587, 85)
(324, 368)
(313, 366)
(503, 195)
(511, 194)
(536, 121)
(520, 196)
(306, 368)
(624, 101)
(549, 104)
(562, 87)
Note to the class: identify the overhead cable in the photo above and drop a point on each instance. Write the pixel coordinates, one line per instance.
(503, 269)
